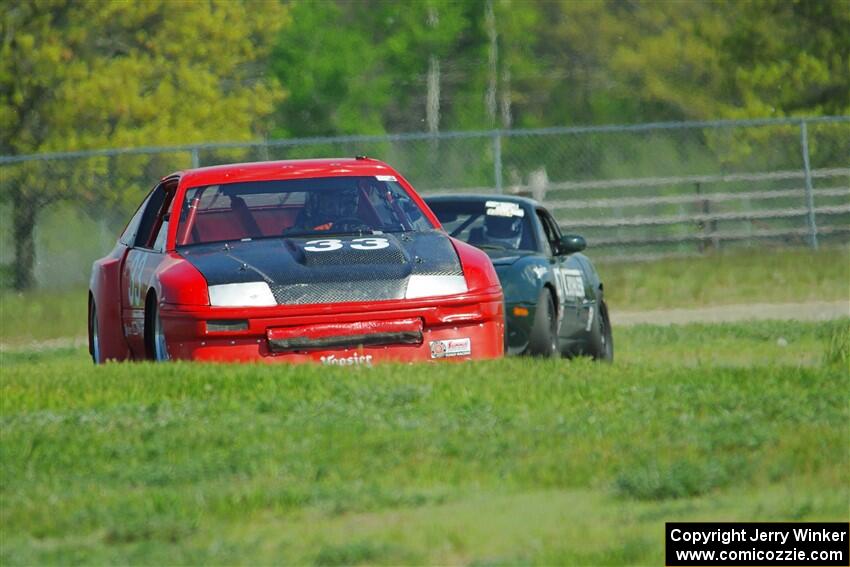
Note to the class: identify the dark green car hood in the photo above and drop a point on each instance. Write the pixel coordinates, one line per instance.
(507, 257)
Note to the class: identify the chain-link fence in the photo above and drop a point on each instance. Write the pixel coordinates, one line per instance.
(632, 191)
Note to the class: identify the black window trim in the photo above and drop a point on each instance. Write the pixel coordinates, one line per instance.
(546, 218)
(175, 180)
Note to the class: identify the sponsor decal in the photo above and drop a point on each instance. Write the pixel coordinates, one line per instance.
(136, 284)
(451, 347)
(385, 178)
(574, 283)
(353, 360)
(589, 318)
(503, 209)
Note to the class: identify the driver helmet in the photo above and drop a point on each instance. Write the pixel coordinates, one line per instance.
(506, 231)
(333, 205)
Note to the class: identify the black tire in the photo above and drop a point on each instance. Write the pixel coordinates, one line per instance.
(543, 341)
(94, 334)
(601, 337)
(155, 346)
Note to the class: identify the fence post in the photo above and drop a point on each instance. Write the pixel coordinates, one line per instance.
(705, 210)
(196, 159)
(810, 198)
(497, 160)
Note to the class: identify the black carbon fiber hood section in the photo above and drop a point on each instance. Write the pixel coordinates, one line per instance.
(337, 269)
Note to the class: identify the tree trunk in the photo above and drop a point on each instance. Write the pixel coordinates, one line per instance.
(492, 61)
(23, 234)
(432, 105)
(507, 119)
(432, 111)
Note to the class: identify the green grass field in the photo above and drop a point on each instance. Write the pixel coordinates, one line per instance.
(787, 275)
(507, 462)
(742, 276)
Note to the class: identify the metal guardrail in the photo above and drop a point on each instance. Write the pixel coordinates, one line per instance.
(698, 218)
(722, 236)
(692, 179)
(681, 199)
(702, 219)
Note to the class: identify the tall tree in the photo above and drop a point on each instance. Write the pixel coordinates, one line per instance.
(335, 80)
(80, 75)
(751, 58)
(374, 77)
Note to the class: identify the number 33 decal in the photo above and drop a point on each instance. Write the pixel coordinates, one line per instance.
(357, 244)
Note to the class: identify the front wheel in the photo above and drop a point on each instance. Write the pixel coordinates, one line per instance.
(544, 332)
(601, 337)
(157, 347)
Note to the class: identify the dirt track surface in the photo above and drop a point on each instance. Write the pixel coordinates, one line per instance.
(809, 311)
(45, 345)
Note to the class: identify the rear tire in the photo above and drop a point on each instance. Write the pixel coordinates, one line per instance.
(544, 332)
(155, 344)
(94, 334)
(601, 337)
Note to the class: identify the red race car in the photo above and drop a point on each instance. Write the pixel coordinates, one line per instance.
(334, 261)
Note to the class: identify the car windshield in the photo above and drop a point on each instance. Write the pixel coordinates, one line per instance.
(489, 225)
(297, 207)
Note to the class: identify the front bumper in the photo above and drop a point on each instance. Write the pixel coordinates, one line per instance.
(478, 317)
(518, 330)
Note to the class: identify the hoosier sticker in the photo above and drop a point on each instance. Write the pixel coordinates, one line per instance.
(353, 360)
(450, 348)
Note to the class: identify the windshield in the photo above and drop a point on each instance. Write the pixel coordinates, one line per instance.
(489, 225)
(297, 207)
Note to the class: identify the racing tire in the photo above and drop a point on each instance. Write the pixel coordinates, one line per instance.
(155, 344)
(94, 334)
(543, 341)
(601, 337)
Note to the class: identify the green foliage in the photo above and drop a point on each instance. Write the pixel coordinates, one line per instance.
(94, 75)
(560, 63)
(756, 58)
(368, 79)
(113, 74)
(838, 346)
(361, 552)
(503, 462)
(680, 479)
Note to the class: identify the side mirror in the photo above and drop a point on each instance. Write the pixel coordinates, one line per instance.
(572, 243)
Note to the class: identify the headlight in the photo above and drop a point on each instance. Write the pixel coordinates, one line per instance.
(430, 286)
(253, 294)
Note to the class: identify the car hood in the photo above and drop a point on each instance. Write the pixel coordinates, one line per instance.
(329, 269)
(506, 257)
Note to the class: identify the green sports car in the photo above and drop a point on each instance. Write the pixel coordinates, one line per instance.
(554, 301)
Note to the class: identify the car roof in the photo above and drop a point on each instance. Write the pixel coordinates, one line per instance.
(284, 169)
(480, 197)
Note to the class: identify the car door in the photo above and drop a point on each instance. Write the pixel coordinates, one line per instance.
(143, 259)
(568, 276)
